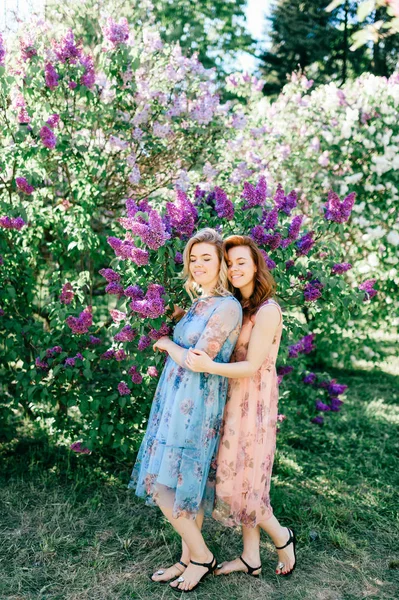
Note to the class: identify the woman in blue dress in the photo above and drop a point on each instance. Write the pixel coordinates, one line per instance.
(173, 463)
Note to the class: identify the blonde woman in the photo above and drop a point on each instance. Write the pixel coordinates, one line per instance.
(181, 440)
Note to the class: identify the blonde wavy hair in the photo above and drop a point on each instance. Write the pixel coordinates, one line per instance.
(208, 236)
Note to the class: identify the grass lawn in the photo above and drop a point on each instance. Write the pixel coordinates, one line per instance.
(71, 531)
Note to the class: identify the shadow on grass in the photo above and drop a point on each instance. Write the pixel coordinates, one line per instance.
(70, 530)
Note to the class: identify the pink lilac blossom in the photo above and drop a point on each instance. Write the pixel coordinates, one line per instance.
(126, 334)
(69, 362)
(114, 288)
(28, 49)
(123, 389)
(152, 306)
(338, 211)
(135, 292)
(89, 76)
(367, 287)
(152, 233)
(126, 250)
(48, 138)
(339, 268)
(137, 378)
(155, 334)
(116, 33)
(40, 364)
(67, 49)
(67, 294)
(24, 186)
(12, 223)
(120, 355)
(51, 76)
(152, 372)
(117, 315)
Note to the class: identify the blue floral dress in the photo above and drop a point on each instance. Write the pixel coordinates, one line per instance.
(173, 463)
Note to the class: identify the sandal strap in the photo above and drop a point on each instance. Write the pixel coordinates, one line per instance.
(182, 564)
(208, 565)
(250, 569)
(290, 540)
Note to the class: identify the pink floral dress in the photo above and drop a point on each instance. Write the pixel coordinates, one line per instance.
(248, 439)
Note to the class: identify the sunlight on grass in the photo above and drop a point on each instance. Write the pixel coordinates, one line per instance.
(378, 409)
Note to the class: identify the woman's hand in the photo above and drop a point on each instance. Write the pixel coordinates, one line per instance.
(161, 344)
(198, 361)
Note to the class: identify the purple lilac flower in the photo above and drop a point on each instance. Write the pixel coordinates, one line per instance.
(72, 85)
(120, 355)
(40, 364)
(310, 378)
(178, 258)
(126, 334)
(254, 196)
(126, 250)
(69, 362)
(271, 219)
(295, 226)
(289, 264)
(199, 195)
(153, 233)
(284, 370)
(89, 76)
(137, 378)
(183, 215)
(337, 211)
(48, 138)
(305, 243)
(23, 185)
(123, 389)
(67, 48)
(336, 389)
(79, 448)
(367, 286)
(51, 76)
(144, 342)
(152, 306)
(135, 292)
(94, 340)
(67, 294)
(273, 240)
(259, 235)
(311, 293)
(336, 404)
(80, 324)
(339, 268)
(108, 354)
(12, 223)
(223, 206)
(2, 51)
(116, 33)
(51, 352)
(152, 372)
(53, 120)
(110, 275)
(155, 334)
(285, 203)
(321, 406)
(303, 346)
(318, 420)
(114, 288)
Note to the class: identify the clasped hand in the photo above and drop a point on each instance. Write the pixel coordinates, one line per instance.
(161, 344)
(198, 361)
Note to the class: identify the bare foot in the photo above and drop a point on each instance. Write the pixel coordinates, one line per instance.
(286, 556)
(164, 575)
(192, 575)
(231, 566)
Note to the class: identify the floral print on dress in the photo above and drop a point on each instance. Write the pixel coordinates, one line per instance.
(248, 438)
(180, 443)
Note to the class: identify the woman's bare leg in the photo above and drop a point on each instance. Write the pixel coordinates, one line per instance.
(174, 571)
(191, 534)
(251, 555)
(280, 536)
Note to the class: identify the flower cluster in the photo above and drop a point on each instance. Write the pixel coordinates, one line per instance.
(51, 352)
(126, 334)
(136, 376)
(151, 232)
(338, 211)
(339, 268)
(116, 33)
(152, 305)
(254, 196)
(312, 290)
(12, 223)
(127, 250)
(304, 346)
(67, 293)
(81, 324)
(182, 215)
(49, 140)
(367, 287)
(23, 185)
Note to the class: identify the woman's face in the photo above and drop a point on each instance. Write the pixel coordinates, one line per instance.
(204, 265)
(241, 267)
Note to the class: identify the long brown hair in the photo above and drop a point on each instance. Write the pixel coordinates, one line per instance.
(210, 236)
(265, 286)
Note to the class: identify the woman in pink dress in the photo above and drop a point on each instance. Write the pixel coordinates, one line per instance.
(248, 440)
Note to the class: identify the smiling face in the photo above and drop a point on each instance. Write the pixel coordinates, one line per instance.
(204, 265)
(241, 269)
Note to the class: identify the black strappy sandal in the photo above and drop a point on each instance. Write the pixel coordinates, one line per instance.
(250, 569)
(161, 572)
(291, 540)
(211, 566)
